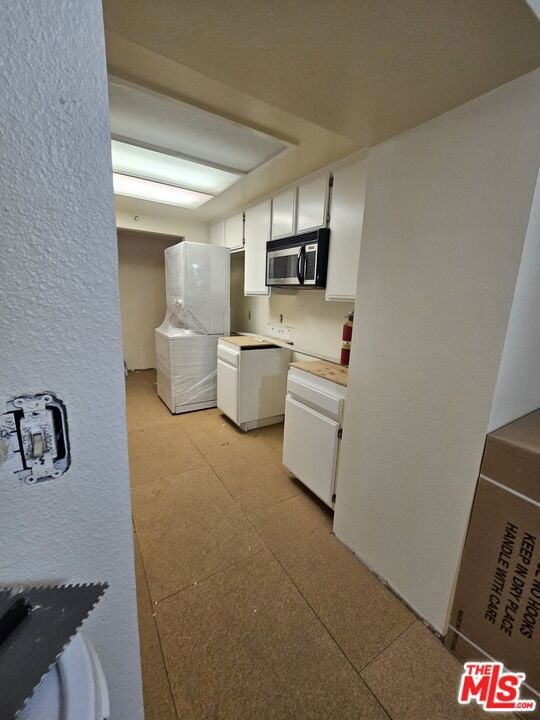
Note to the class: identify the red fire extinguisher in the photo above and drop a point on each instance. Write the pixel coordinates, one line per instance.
(346, 338)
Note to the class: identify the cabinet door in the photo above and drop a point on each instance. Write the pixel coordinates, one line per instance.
(234, 231)
(217, 233)
(346, 218)
(312, 204)
(257, 234)
(227, 389)
(283, 208)
(310, 446)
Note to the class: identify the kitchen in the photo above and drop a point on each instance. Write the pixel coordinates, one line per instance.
(271, 288)
(294, 261)
(270, 351)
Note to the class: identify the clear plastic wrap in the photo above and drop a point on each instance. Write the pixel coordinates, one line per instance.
(197, 288)
(186, 370)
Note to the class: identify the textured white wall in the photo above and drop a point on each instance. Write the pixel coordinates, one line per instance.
(59, 324)
(518, 384)
(447, 209)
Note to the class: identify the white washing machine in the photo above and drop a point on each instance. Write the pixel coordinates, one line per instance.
(74, 689)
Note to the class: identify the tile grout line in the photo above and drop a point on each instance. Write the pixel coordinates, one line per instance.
(209, 577)
(229, 567)
(238, 502)
(338, 646)
(319, 620)
(385, 648)
(169, 477)
(266, 547)
(157, 632)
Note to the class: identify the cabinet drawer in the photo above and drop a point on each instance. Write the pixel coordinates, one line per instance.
(228, 354)
(310, 447)
(322, 400)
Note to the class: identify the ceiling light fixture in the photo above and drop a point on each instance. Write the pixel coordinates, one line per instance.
(158, 192)
(141, 162)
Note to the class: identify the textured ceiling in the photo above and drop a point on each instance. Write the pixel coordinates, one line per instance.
(367, 69)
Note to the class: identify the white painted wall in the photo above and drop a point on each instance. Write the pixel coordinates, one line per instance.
(518, 384)
(60, 323)
(447, 209)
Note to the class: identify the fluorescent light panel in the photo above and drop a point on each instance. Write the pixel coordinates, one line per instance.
(154, 119)
(140, 162)
(158, 192)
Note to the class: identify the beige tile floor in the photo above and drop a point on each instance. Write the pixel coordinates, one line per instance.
(249, 607)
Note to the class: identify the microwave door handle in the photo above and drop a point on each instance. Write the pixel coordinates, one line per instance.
(300, 265)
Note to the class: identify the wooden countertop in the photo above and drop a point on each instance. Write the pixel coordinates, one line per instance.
(245, 341)
(327, 370)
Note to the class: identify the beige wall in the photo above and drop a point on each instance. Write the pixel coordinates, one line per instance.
(447, 209)
(159, 218)
(141, 270)
(142, 294)
(317, 323)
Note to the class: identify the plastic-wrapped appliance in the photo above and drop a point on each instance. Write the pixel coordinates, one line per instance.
(198, 312)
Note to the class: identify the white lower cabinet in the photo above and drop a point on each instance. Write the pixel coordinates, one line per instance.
(310, 446)
(312, 437)
(227, 390)
(251, 381)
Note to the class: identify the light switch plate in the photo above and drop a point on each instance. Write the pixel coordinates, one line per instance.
(34, 437)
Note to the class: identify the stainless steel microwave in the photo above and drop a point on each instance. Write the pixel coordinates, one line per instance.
(299, 260)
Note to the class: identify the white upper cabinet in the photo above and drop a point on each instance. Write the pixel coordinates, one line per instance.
(217, 233)
(234, 231)
(283, 209)
(257, 233)
(312, 204)
(346, 218)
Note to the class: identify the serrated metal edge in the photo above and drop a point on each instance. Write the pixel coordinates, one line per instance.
(103, 587)
(17, 589)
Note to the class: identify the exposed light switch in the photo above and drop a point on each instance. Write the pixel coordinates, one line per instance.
(34, 437)
(38, 445)
(4, 450)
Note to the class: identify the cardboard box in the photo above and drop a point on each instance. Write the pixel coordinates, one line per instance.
(496, 609)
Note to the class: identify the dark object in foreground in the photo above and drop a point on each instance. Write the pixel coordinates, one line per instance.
(36, 624)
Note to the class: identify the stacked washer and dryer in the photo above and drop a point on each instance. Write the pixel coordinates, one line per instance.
(198, 313)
